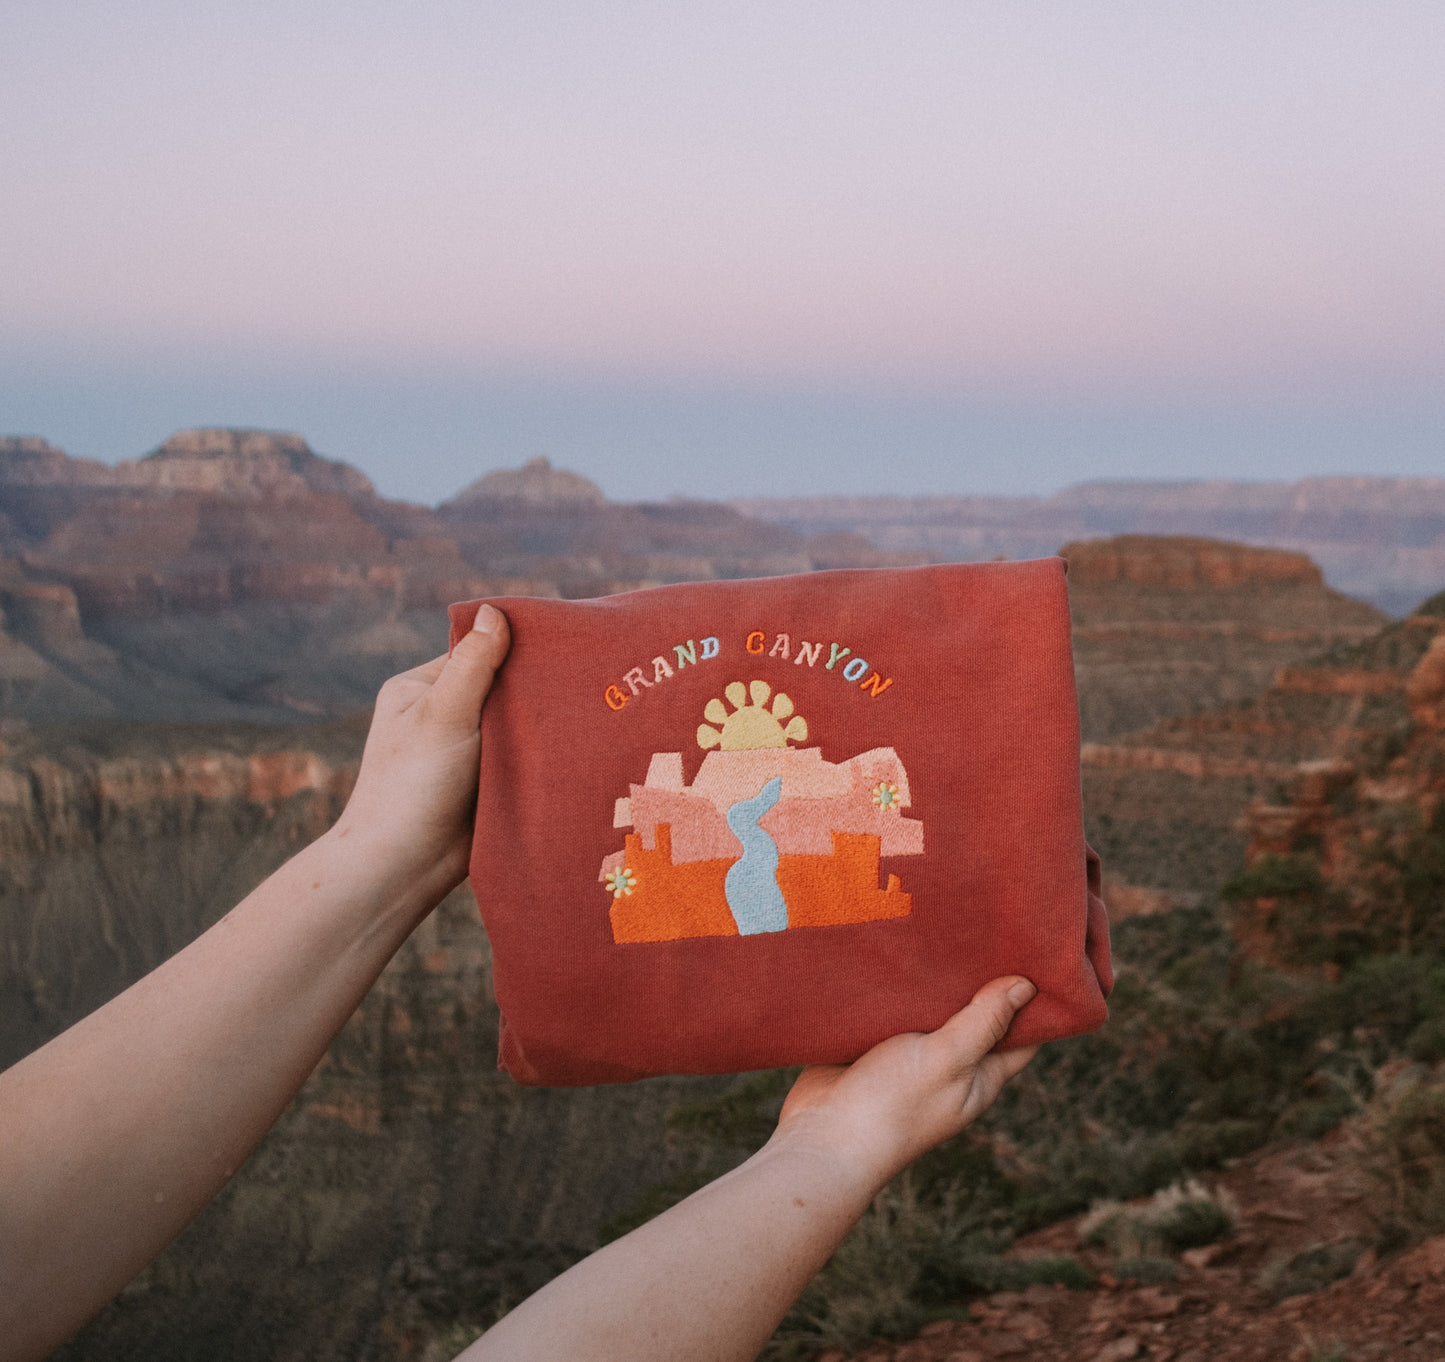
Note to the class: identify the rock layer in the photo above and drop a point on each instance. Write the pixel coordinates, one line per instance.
(1166, 626)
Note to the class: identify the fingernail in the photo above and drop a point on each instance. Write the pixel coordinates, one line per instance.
(1020, 992)
(487, 621)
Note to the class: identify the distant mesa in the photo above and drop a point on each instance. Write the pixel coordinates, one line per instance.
(224, 462)
(29, 461)
(536, 483)
(1166, 625)
(242, 462)
(229, 442)
(28, 449)
(1179, 563)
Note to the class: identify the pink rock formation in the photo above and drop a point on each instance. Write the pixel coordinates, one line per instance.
(819, 798)
(536, 483)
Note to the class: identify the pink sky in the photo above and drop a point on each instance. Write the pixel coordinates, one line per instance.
(1011, 201)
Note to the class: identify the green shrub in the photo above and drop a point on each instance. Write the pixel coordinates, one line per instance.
(1310, 1120)
(1408, 1154)
(1211, 1144)
(1313, 1268)
(1146, 1271)
(1183, 1216)
(1426, 1042)
(1062, 1270)
(1275, 877)
(1194, 1222)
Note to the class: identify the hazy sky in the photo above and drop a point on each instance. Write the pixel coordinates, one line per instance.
(724, 248)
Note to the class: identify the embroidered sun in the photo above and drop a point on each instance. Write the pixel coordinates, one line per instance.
(885, 795)
(751, 725)
(620, 882)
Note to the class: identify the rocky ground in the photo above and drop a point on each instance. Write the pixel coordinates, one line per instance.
(1305, 1212)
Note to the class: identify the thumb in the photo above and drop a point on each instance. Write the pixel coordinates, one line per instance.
(969, 1035)
(457, 694)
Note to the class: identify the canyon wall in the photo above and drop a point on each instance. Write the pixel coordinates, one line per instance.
(234, 574)
(237, 600)
(1171, 626)
(1174, 807)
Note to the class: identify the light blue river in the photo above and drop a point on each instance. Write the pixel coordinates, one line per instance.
(752, 890)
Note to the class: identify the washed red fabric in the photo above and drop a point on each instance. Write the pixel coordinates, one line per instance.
(736, 825)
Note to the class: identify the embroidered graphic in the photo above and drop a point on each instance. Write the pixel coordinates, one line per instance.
(754, 898)
(751, 725)
(768, 837)
(621, 881)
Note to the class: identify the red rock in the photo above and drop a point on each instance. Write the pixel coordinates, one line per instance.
(940, 1328)
(1120, 1350)
(1027, 1324)
(1365, 1267)
(919, 1351)
(1336, 681)
(1004, 1345)
(1150, 1303)
(1425, 686)
(1183, 564)
(1007, 1300)
(1272, 1211)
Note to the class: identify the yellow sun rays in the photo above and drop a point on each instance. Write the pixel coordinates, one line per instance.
(753, 723)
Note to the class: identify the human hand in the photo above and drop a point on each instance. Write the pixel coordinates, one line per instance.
(415, 798)
(911, 1092)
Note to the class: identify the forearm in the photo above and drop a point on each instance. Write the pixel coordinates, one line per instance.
(709, 1279)
(117, 1132)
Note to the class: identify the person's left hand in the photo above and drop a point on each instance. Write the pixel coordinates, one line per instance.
(911, 1092)
(415, 798)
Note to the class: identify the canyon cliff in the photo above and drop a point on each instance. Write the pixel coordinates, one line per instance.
(237, 600)
(236, 574)
(1173, 625)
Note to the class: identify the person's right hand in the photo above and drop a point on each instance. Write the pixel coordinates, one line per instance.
(911, 1092)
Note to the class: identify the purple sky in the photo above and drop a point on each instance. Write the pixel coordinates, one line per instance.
(717, 249)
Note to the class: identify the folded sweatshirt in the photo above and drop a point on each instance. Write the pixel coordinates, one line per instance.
(736, 825)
